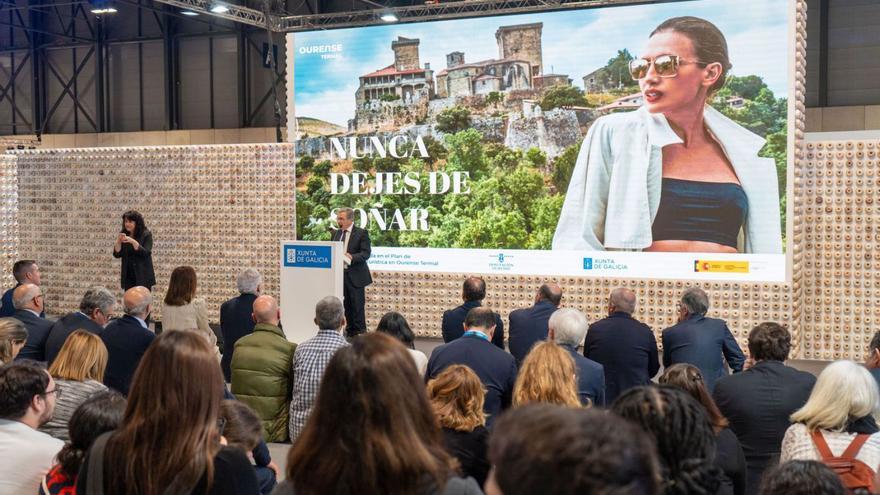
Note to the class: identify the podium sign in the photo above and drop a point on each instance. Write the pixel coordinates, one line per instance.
(310, 271)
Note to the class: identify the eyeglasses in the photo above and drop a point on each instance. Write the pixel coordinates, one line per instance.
(664, 66)
(57, 391)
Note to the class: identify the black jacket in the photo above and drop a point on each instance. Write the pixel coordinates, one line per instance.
(126, 342)
(627, 349)
(359, 248)
(62, 329)
(758, 403)
(38, 331)
(528, 326)
(137, 265)
(453, 323)
(702, 341)
(236, 321)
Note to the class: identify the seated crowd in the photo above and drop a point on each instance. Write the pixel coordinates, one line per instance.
(91, 403)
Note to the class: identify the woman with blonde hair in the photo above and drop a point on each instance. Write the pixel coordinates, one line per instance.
(547, 376)
(78, 371)
(457, 397)
(839, 414)
(13, 336)
(182, 309)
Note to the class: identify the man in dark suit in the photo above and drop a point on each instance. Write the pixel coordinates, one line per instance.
(496, 368)
(528, 326)
(96, 308)
(236, 315)
(759, 401)
(473, 292)
(701, 341)
(624, 346)
(24, 272)
(567, 327)
(873, 361)
(356, 251)
(127, 339)
(28, 302)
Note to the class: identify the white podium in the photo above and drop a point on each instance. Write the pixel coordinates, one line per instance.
(310, 271)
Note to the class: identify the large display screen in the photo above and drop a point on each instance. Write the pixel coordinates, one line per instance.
(625, 141)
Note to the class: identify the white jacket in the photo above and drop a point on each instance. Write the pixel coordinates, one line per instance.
(614, 192)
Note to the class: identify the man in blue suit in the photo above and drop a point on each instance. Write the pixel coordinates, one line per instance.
(474, 349)
(24, 272)
(568, 327)
(236, 316)
(528, 326)
(473, 292)
(127, 339)
(96, 308)
(28, 301)
(701, 341)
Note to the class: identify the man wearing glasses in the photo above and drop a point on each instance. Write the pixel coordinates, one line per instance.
(27, 401)
(28, 302)
(97, 307)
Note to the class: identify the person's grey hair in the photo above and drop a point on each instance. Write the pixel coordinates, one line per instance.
(349, 212)
(695, 301)
(569, 326)
(24, 296)
(623, 300)
(329, 313)
(138, 309)
(97, 297)
(248, 281)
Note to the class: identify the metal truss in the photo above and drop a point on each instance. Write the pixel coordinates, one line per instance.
(236, 13)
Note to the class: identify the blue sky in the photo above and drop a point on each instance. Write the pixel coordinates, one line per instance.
(574, 43)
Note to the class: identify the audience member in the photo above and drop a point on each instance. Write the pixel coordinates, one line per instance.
(473, 292)
(457, 397)
(96, 308)
(802, 478)
(528, 326)
(701, 341)
(759, 401)
(27, 401)
(24, 272)
(568, 327)
(182, 309)
(13, 336)
(127, 339)
(873, 360)
(28, 302)
(557, 450)
(356, 442)
(395, 325)
(311, 358)
(242, 429)
(267, 470)
(548, 376)
(624, 346)
(169, 439)
(683, 435)
(97, 415)
(79, 371)
(261, 369)
(728, 452)
(838, 419)
(496, 368)
(236, 315)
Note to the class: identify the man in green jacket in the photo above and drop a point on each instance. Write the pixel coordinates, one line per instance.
(261, 370)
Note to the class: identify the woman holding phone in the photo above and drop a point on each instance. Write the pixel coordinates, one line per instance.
(134, 245)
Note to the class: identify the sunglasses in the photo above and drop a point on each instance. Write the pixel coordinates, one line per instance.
(664, 66)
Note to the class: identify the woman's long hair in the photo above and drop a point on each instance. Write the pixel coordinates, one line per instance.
(547, 376)
(82, 357)
(139, 226)
(843, 392)
(457, 396)
(97, 415)
(689, 378)
(372, 430)
(12, 332)
(169, 436)
(181, 287)
(395, 325)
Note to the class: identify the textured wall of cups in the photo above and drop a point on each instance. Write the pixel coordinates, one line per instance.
(8, 218)
(218, 208)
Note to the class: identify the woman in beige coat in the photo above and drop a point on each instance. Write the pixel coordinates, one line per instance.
(184, 311)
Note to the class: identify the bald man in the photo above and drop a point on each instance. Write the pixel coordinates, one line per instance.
(28, 302)
(261, 369)
(128, 338)
(528, 326)
(624, 346)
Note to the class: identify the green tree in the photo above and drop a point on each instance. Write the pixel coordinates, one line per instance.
(389, 97)
(453, 119)
(746, 86)
(502, 157)
(305, 164)
(615, 74)
(494, 98)
(466, 152)
(494, 229)
(536, 158)
(545, 215)
(563, 167)
(521, 188)
(323, 168)
(559, 96)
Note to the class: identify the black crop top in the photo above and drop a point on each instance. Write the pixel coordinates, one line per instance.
(700, 211)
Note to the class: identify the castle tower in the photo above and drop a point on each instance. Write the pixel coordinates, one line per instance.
(522, 41)
(406, 53)
(454, 59)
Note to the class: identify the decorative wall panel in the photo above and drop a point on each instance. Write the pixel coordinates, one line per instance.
(8, 218)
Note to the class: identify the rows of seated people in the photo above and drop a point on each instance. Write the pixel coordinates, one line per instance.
(92, 403)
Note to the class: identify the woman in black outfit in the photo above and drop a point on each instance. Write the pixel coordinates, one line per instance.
(134, 245)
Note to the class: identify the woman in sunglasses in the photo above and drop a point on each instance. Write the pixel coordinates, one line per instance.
(675, 175)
